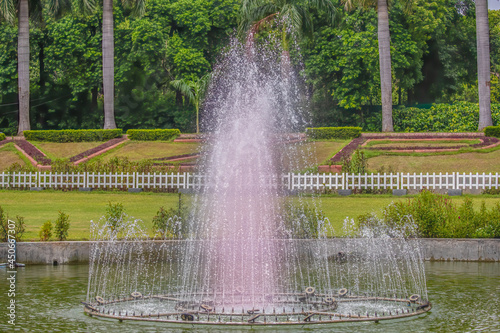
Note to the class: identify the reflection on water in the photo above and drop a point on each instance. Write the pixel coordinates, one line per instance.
(466, 298)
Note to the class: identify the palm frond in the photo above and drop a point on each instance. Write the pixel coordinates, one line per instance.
(203, 84)
(326, 6)
(8, 10)
(292, 15)
(86, 6)
(58, 7)
(252, 15)
(35, 8)
(185, 88)
(138, 6)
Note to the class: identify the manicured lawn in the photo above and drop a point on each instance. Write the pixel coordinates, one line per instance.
(55, 150)
(38, 207)
(9, 155)
(420, 143)
(463, 162)
(140, 150)
(313, 153)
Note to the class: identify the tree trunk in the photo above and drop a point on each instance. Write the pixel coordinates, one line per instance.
(483, 63)
(23, 66)
(108, 64)
(384, 49)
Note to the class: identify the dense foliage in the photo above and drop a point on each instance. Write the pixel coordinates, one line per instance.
(73, 135)
(6, 230)
(433, 60)
(329, 133)
(437, 216)
(153, 135)
(62, 226)
(492, 131)
(443, 117)
(2, 136)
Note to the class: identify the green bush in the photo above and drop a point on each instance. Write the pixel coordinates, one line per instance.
(302, 221)
(328, 133)
(169, 223)
(73, 135)
(153, 134)
(2, 136)
(62, 226)
(115, 214)
(18, 230)
(356, 163)
(437, 216)
(492, 131)
(457, 117)
(45, 231)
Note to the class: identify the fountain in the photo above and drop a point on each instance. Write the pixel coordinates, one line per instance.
(249, 253)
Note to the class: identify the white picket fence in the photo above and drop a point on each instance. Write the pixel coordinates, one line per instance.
(291, 181)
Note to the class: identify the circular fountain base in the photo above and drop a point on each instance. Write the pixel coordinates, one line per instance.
(282, 309)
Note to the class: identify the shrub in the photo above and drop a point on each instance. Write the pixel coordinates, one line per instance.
(356, 163)
(153, 134)
(19, 228)
(73, 135)
(45, 231)
(2, 136)
(169, 223)
(456, 117)
(492, 131)
(437, 216)
(302, 221)
(115, 214)
(62, 226)
(328, 133)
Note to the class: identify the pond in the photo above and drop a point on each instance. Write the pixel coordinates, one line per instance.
(465, 297)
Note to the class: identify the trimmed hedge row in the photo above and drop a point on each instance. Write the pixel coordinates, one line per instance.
(73, 135)
(153, 134)
(2, 136)
(493, 131)
(327, 133)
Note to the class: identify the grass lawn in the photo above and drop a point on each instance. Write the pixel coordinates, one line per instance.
(463, 162)
(56, 150)
(140, 150)
(314, 153)
(10, 155)
(38, 207)
(420, 143)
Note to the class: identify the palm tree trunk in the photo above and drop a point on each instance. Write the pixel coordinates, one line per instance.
(483, 63)
(384, 49)
(108, 64)
(23, 58)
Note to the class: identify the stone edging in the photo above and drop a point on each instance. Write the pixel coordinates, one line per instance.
(437, 249)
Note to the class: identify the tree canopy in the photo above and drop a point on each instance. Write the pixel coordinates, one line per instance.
(433, 55)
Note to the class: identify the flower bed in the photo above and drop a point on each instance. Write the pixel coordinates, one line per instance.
(97, 149)
(356, 143)
(33, 152)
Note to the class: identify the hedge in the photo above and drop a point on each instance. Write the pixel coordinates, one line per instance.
(327, 133)
(492, 131)
(2, 136)
(153, 134)
(73, 135)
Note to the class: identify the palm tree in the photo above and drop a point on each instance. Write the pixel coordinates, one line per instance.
(23, 10)
(108, 56)
(483, 64)
(295, 16)
(384, 49)
(194, 91)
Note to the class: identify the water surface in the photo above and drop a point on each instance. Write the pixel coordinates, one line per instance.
(465, 296)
